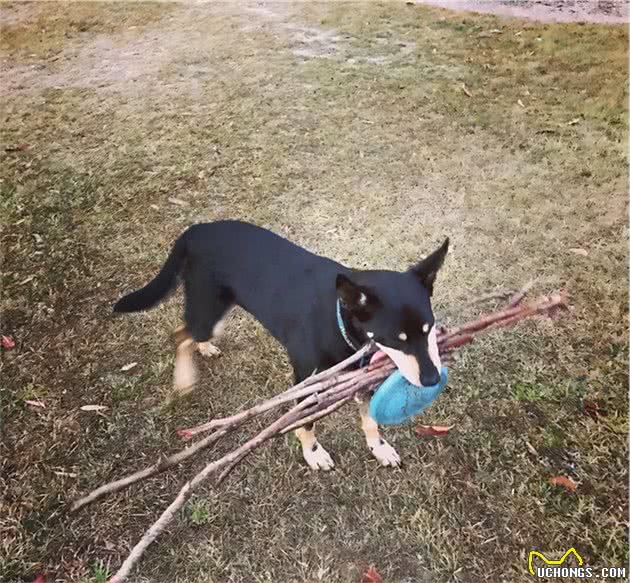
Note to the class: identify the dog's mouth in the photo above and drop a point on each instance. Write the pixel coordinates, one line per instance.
(405, 363)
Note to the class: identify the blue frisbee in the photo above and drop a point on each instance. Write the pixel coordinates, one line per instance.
(397, 400)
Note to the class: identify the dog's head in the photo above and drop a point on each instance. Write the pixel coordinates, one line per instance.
(394, 309)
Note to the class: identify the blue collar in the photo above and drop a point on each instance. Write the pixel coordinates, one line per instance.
(342, 328)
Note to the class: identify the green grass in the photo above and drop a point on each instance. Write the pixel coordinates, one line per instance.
(198, 511)
(368, 151)
(100, 573)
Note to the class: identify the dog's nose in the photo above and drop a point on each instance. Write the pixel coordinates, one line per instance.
(429, 379)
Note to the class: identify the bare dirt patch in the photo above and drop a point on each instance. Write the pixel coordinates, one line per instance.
(600, 11)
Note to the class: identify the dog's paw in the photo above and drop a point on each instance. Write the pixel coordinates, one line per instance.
(383, 452)
(208, 349)
(318, 458)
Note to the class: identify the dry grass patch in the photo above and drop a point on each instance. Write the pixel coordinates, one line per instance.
(371, 162)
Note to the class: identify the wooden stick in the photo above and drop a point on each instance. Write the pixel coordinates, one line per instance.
(322, 394)
(146, 473)
(308, 386)
(188, 489)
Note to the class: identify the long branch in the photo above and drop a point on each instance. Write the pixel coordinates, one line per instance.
(189, 487)
(321, 395)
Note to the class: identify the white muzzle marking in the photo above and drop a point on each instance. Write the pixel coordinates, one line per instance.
(434, 353)
(406, 364)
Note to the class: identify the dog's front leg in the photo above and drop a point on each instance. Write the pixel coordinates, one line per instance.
(315, 455)
(381, 450)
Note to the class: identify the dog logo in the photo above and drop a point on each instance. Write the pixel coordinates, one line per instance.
(532, 554)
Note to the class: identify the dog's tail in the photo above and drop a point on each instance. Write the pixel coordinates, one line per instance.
(158, 288)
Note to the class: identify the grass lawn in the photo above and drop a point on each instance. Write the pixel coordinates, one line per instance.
(367, 132)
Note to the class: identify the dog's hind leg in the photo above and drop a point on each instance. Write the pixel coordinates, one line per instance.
(205, 306)
(185, 372)
(381, 450)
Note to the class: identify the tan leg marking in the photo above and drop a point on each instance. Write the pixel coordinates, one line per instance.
(185, 373)
(380, 449)
(315, 455)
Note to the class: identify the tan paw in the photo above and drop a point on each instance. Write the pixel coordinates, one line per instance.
(208, 349)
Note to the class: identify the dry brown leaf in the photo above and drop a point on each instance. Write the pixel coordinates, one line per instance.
(36, 403)
(579, 251)
(465, 90)
(574, 121)
(129, 366)
(433, 429)
(521, 103)
(178, 201)
(567, 483)
(18, 148)
(93, 408)
(371, 576)
(592, 409)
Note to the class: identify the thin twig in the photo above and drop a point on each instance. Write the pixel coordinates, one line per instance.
(146, 473)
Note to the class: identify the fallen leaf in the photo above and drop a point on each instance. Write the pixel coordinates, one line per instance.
(18, 148)
(93, 408)
(592, 409)
(579, 251)
(36, 404)
(128, 366)
(521, 103)
(574, 121)
(62, 473)
(185, 433)
(433, 429)
(465, 90)
(7, 342)
(531, 448)
(30, 278)
(567, 483)
(155, 207)
(371, 576)
(178, 201)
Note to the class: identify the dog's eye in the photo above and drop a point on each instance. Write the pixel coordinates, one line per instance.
(402, 336)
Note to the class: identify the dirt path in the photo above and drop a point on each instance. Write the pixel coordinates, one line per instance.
(600, 11)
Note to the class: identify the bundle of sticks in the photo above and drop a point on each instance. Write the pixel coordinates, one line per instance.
(320, 395)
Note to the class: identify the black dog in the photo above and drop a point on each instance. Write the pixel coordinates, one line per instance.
(295, 295)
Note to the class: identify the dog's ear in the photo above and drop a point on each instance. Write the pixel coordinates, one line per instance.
(427, 269)
(358, 299)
